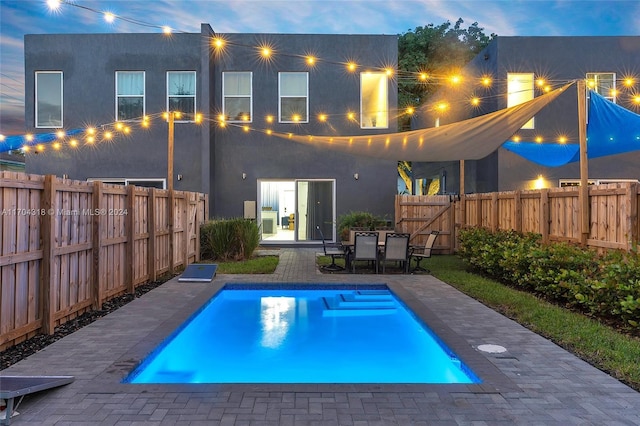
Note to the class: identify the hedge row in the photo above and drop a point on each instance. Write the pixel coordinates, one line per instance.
(605, 286)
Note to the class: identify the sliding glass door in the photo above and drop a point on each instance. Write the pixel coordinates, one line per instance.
(290, 210)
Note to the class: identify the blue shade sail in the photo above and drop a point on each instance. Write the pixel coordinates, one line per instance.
(17, 142)
(611, 130)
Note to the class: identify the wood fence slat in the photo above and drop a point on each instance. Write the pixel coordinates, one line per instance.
(61, 254)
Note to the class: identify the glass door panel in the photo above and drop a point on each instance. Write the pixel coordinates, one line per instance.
(315, 206)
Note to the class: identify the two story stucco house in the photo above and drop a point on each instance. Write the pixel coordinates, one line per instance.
(233, 92)
(512, 70)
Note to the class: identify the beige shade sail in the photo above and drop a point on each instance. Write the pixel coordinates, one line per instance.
(470, 139)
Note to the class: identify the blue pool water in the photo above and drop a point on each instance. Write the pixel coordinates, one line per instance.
(302, 336)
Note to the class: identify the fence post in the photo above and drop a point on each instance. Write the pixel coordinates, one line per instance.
(171, 218)
(97, 245)
(130, 233)
(478, 210)
(632, 226)
(544, 214)
(48, 239)
(186, 203)
(494, 212)
(517, 201)
(198, 220)
(151, 246)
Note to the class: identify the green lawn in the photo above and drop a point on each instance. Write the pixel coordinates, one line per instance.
(603, 347)
(255, 265)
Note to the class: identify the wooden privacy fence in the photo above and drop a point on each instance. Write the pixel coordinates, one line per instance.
(555, 213)
(69, 246)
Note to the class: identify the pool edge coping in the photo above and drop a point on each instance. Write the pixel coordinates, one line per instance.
(493, 380)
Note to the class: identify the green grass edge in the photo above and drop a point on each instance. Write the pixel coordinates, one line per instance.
(613, 352)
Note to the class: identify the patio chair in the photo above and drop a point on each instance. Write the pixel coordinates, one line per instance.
(333, 250)
(423, 252)
(365, 248)
(396, 249)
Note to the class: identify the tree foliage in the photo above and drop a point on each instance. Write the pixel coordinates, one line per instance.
(435, 50)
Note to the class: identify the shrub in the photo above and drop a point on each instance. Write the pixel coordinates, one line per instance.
(607, 287)
(229, 239)
(359, 220)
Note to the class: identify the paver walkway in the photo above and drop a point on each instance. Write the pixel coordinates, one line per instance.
(534, 383)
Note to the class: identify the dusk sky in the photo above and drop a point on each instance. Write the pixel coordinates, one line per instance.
(502, 17)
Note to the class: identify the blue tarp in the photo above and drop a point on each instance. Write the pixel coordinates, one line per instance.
(17, 142)
(611, 129)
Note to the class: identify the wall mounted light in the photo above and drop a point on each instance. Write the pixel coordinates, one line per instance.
(179, 177)
(356, 176)
(244, 176)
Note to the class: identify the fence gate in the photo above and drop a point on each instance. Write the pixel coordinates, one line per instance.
(418, 215)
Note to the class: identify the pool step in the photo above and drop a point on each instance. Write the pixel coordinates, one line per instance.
(359, 304)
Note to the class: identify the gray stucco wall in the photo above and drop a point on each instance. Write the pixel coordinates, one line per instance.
(211, 159)
(557, 60)
(89, 63)
(564, 59)
(332, 90)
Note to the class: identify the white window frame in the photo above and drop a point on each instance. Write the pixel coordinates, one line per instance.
(194, 96)
(281, 97)
(143, 96)
(366, 120)
(514, 99)
(594, 76)
(250, 96)
(36, 118)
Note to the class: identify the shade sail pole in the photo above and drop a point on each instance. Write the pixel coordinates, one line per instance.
(584, 162)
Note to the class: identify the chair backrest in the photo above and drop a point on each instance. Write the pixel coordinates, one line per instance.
(366, 246)
(382, 234)
(324, 245)
(429, 244)
(396, 246)
(352, 233)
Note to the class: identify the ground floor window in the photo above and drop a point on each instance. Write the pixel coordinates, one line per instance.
(150, 182)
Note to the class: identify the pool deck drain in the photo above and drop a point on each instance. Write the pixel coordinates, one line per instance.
(545, 384)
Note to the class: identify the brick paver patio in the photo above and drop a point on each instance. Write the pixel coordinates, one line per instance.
(534, 383)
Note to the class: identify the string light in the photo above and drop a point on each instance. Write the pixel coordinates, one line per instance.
(267, 52)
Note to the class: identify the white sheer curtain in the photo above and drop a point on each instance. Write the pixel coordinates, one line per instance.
(182, 83)
(130, 83)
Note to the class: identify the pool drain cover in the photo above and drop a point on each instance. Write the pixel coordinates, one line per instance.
(492, 349)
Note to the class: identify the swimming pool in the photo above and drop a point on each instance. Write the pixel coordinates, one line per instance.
(292, 335)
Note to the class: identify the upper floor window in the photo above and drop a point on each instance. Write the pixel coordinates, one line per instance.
(603, 84)
(294, 97)
(237, 95)
(374, 100)
(181, 93)
(48, 99)
(520, 89)
(129, 95)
